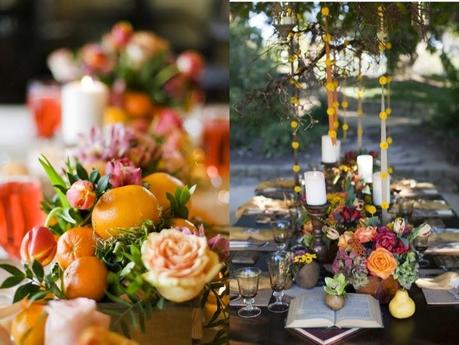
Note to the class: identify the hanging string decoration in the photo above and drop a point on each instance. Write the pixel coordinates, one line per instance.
(383, 81)
(360, 94)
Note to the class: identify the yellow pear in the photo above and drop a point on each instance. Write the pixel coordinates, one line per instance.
(402, 306)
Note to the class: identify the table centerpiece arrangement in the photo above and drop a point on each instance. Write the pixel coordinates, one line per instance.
(116, 238)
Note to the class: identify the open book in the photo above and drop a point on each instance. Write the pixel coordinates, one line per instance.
(310, 310)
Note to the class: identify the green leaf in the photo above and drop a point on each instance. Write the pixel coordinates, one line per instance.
(72, 178)
(127, 269)
(117, 299)
(67, 217)
(28, 272)
(24, 290)
(38, 295)
(125, 328)
(94, 176)
(103, 184)
(81, 172)
(55, 179)
(12, 270)
(11, 281)
(63, 189)
(37, 269)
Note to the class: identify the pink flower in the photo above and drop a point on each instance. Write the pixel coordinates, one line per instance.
(365, 234)
(95, 59)
(81, 195)
(220, 245)
(123, 172)
(167, 121)
(121, 34)
(190, 64)
(385, 239)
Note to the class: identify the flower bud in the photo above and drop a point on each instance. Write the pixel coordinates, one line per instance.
(38, 244)
(190, 64)
(424, 230)
(399, 225)
(81, 195)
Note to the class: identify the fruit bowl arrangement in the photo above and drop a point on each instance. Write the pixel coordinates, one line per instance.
(131, 245)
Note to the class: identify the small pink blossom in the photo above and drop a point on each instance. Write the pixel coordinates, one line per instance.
(220, 245)
(168, 120)
(123, 172)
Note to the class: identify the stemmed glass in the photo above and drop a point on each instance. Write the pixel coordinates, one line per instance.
(278, 266)
(280, 228)
(247, 280)
(421, 244)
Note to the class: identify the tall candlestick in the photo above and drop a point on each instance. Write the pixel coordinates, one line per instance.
(329, 150)
(365, 167)
(83, 106)
(377, 190)
(316, 193)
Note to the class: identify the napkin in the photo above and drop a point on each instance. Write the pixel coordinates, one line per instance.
(445, 281)
(244, 234)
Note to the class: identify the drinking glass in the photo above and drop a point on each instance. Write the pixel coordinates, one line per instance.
(278, 266)
(421, 244)
(20, 199)
(43, 100)
(247, 280)
(280, 228)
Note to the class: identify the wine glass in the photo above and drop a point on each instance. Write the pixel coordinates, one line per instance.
(247, 280)
(421, 243)
(278, 266)
(280, 228)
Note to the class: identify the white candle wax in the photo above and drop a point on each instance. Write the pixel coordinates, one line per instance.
(377, 189)
(365, 167)
(83, 106)
(338, 150)
(314, 183)
(329, 151)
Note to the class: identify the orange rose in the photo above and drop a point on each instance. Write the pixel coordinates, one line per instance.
(179, 265)
(381, 263)
(344, 239)
(364, 234)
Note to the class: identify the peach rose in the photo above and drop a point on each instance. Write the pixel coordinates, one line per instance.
(343, 241)
(365, 234)
(381, 263)
(179, 265)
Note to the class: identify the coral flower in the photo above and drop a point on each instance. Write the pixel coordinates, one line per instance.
(381, 263)
(81, 195)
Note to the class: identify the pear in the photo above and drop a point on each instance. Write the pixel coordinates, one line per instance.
(402, 306)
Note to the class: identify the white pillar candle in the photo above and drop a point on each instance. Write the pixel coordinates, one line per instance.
(377, 189)
(316, 192)
(365, 167)
(83, 106)
(338, 149)
(329, 150)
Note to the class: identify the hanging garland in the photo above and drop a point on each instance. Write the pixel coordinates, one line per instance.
(383, 81)
(360, 94)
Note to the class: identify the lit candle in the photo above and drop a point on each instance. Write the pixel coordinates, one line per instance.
(83, 106)
(365, 167)
(377, 189)
(329, 151)
(316, 193)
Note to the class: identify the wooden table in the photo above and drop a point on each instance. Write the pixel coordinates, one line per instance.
(430, 324)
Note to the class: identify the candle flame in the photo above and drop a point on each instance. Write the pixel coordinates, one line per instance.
(87, 81)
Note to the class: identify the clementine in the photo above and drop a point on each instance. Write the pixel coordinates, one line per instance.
(85, 277)
(28, 327)
(124, 207)
(114, 115)
(137, 104)
(73, 244)
(160, 184)
(183, 223)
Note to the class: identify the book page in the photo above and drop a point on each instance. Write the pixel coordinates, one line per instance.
(359, 310)
(309, 310)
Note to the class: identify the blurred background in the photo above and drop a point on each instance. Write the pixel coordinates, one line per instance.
(31, 29)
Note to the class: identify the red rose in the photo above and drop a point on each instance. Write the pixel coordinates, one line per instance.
(385, 239)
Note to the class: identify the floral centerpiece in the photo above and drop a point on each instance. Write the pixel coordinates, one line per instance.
(140, 68)
(377, 258)
(114, 237)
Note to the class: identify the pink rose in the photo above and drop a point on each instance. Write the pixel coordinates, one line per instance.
(168, 120)
(123, 172)
(365, 234)
(121, 34)
(385, 239)
(67, 319)
(179, 265)
(81, 195)
(95, 59)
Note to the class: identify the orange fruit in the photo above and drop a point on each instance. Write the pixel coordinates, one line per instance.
(85, 277)
(124, 207)
(183, 223)
(137, 104)
(114, 115)
(75, 243)
(28, 327)
(160, 184)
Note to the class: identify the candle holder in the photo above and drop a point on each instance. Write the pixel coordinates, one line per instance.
(317, 213)
(329, 172)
